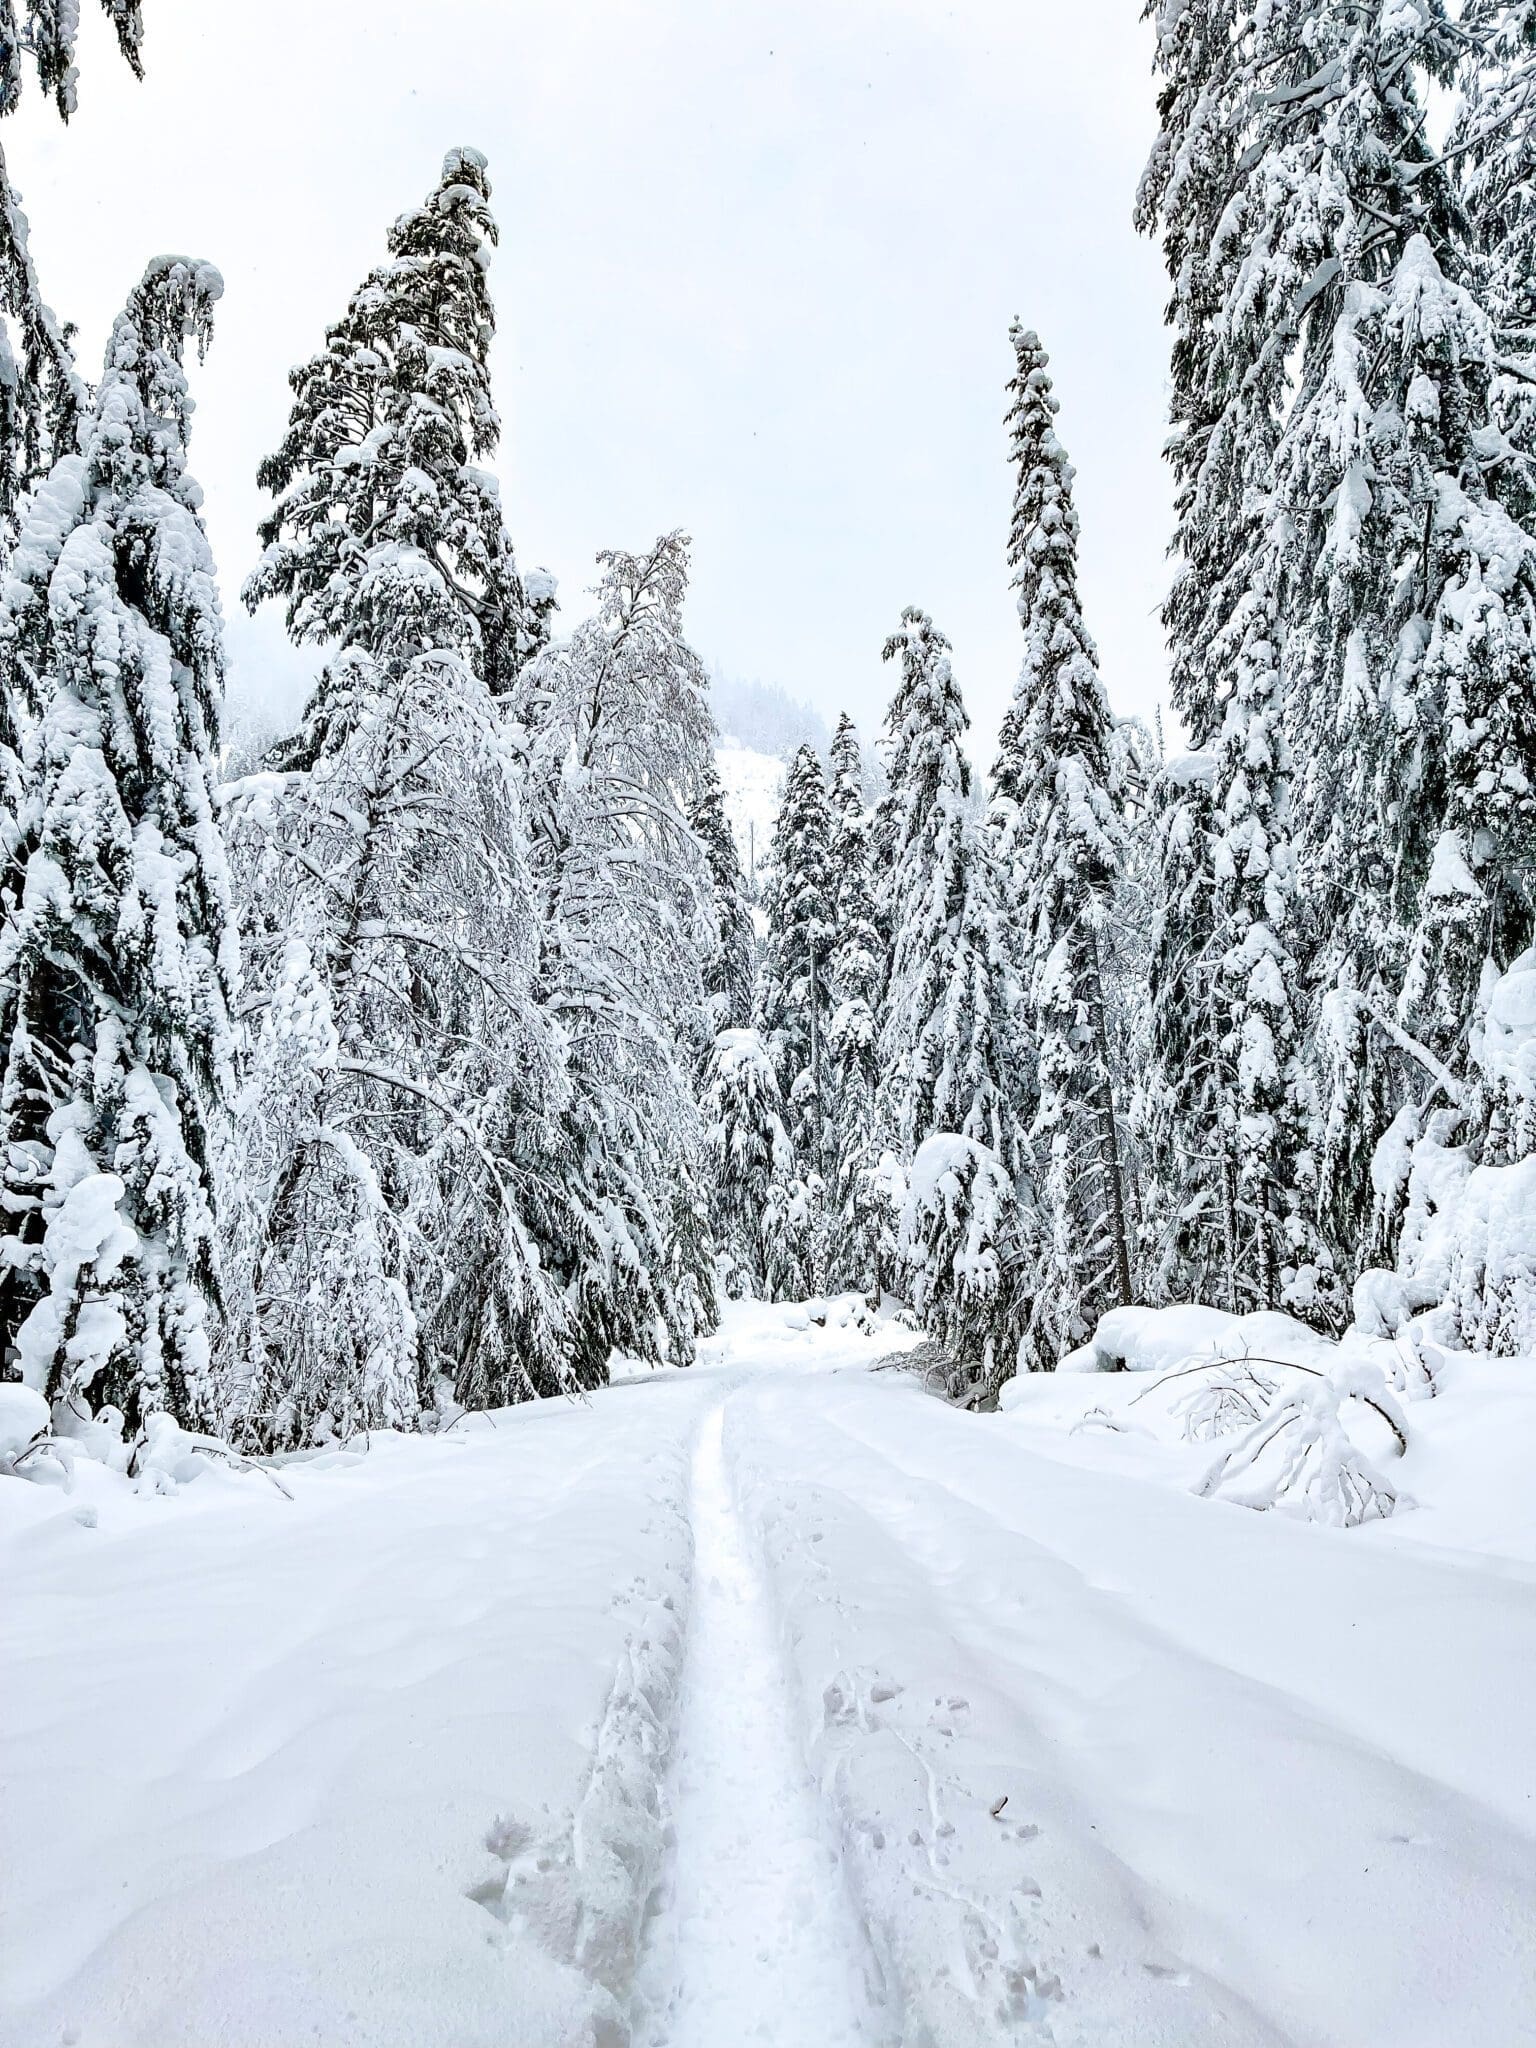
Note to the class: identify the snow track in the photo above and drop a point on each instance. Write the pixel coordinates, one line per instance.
(755, 1938)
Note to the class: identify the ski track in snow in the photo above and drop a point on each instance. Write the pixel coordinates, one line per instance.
(755, 1938)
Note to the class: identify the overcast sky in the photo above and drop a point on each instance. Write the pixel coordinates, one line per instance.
(756, 272)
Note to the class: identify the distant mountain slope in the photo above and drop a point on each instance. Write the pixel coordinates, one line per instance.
(752, 783)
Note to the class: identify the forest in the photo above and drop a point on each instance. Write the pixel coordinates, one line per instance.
(445, 1051)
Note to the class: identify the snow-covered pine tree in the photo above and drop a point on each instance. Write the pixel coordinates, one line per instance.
(861, 1224)
(755, 1200)
(1063, 856)
(794, 988)
(945, 1013)
(946, 1017)
(395, 1148)
(47, 32)
(379, 468)
(121, 956)
(41, 393)
(1184, 1103)
(730, 971)
(42, 396)
(1494, 140)
(952, 1255)
(1406, 579)
(1329, 338)
(621, 738)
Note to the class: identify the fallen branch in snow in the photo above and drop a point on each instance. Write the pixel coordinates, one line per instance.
(1284, 1365)
(210, 1448)
(1310, 1454)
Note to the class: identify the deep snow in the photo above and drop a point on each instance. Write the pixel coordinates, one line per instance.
(907, 1725)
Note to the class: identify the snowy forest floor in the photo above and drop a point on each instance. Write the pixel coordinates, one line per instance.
(774, 1702)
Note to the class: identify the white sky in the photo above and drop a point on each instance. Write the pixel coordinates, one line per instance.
(757, 267)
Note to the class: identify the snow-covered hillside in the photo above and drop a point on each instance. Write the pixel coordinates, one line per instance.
(753, 784)
(779, 1701)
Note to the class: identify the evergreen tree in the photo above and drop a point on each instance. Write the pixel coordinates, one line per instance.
(394, 1152)
(1185, 1102)
(752, 1172)
(794, 994)
(120, 960)
(1350, 500)
(385, 530)
(952, 1255)
(47, 33)
(943, 1025)
(730, 970)
(860, 1217)
(1063, 855)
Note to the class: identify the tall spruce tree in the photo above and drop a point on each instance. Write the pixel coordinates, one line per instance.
(946, 1020)
(1063, 857)
(861, 1223)
(730, 971)
(120, 958)
(794, 994)
(1329, 336)
(394, 1165)
(385, 530)
(943, 1018)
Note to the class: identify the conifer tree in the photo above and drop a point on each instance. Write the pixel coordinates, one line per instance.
(752, 1172)
(1349, 501)
(121, 958)
(1185, 1103)
(1063, 860)
(385, 530)
(730, 970)
(860, 1218)
(391, 1232)
(943, 1019)
(1493, 138)
(794, 995)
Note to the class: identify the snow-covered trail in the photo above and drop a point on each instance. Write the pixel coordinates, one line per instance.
(756, 1939)
(773, 1704)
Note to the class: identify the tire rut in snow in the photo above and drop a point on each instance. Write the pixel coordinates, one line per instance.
(754, 1937)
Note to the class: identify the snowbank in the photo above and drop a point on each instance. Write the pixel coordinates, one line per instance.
(1165, 1394)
